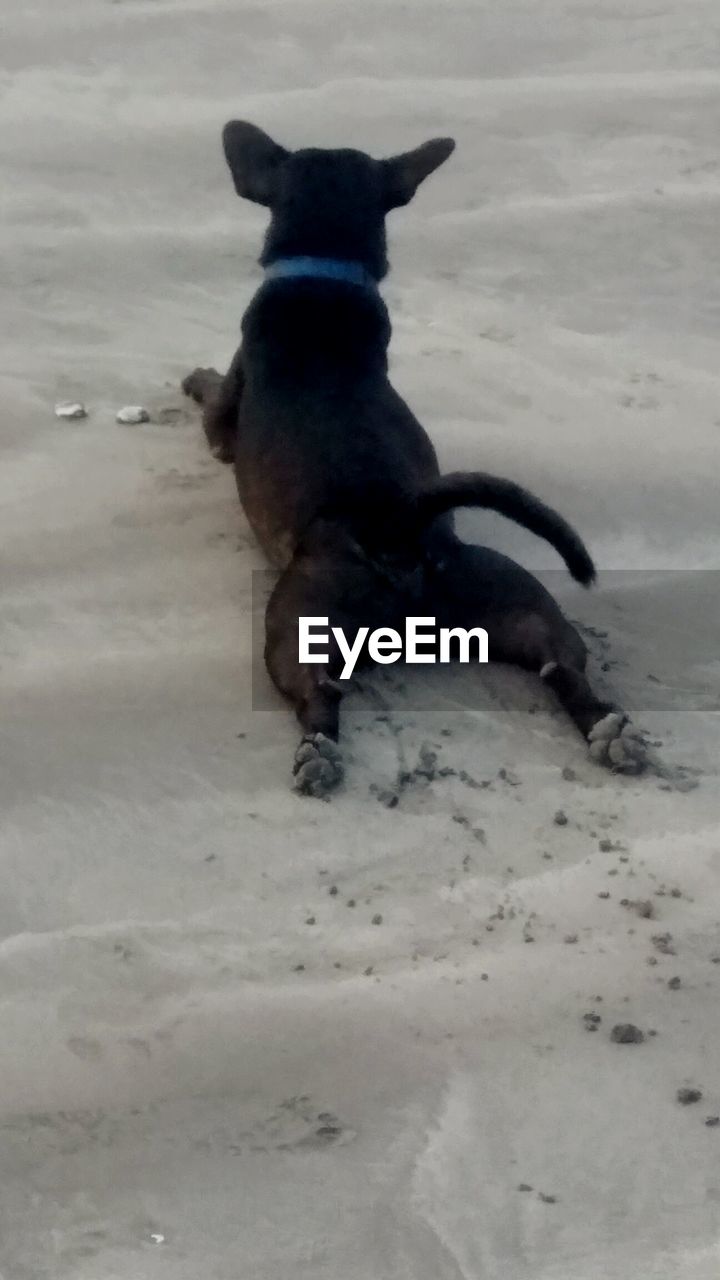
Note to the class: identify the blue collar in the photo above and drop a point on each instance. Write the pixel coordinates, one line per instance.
(310, 268)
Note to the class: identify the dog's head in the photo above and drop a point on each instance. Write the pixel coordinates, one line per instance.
(328, 204)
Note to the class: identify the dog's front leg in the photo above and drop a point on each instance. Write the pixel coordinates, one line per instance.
(220, 399)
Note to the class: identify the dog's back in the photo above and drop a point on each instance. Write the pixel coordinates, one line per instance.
(319, 424)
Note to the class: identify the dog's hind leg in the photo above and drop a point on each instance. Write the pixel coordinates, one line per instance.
(220, 399)
(474, 586)
(312, 688)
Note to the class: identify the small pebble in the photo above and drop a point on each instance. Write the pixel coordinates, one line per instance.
(377, 919)
(469, 781)
(310, 920)
(524, 1186)
(626, 1033)
(570, 939)
(644, 909)
(157, 1238)
(132, 415)
(70, 409)
(674, 984)
(712, 1122)
(560, 819)
(686, 1097)
(329, 1131)
(333, 890)
(569, 774)
(547, 1199)
(351, 902)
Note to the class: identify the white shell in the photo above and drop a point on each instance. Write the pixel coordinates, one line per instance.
(132, 414)
(70, 409)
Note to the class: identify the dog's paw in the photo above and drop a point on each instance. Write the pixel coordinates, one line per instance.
(613, 743)
(222, 451)
(318, 766)
(198, 383)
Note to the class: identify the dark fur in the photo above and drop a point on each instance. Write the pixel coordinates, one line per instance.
(338, 479)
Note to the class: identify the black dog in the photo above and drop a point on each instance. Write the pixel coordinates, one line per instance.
(339, 481)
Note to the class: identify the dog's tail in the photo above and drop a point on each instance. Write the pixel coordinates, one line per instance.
(476, 489)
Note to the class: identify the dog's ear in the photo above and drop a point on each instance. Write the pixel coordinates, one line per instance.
(254, 160)
(403, 174)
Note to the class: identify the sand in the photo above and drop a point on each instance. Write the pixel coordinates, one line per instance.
(212, 1062)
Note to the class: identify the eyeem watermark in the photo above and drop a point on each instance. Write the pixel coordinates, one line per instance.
(422, 642)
